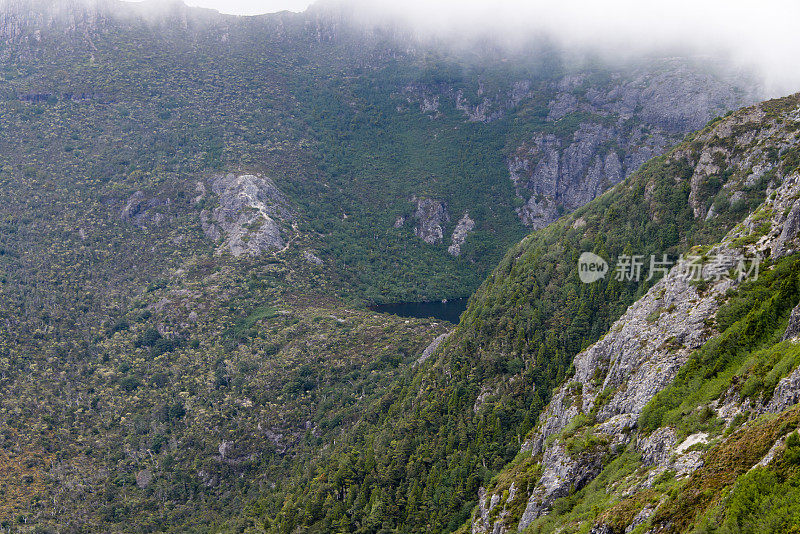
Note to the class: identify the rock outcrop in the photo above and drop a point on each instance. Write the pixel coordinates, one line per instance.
(599, 132)
(312, 258)
(793, 329)
(431, 216)
(463, 228)
(557, 175)
(430, 349)
(789, 232)
(635, 361)
(142, 211)
(786, 394)
(249, 216)
(620, 127)
(22, 20)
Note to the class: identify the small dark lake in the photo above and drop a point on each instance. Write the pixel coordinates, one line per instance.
(444, 311)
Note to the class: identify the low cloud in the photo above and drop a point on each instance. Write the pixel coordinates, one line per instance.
(251, 7)
(759, 36)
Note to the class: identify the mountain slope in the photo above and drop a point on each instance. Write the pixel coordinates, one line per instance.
(182, 409)
(111, 98)
(443, 431)
(679, 372)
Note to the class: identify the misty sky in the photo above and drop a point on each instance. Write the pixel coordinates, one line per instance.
(251, 7)
(762, 34)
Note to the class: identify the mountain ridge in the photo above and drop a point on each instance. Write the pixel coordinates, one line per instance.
(617, 379)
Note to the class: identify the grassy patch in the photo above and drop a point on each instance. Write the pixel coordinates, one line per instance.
(723, 464)
(244, 327)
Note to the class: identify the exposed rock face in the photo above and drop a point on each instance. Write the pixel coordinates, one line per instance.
(675, 98)
(312, 258)
(562, 474)
(483, 107)
(431, 216)
(705, 168)
(657, 447)
(24, 18)
(557, 175)
(430, 349)
(249, 215)
(225, 448)
(463, 228)
(793, 330)
(483, 111)
(625, 124)
(787, 393)
(791, 228)
(144, 478)
(482, 520)
(133, 206)
(428, 101)
(605, 130)
(636, 360)
(30, 19)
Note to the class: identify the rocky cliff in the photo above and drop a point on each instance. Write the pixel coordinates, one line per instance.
(250, 214)
(618, 129)
(325, 94)
(193, 376)
(595, 132)
(32, 21)
(463, 228)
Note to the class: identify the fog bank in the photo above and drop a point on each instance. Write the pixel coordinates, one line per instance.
(759, 36)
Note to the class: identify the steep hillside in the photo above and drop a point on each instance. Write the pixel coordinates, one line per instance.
(200, 393)
(660, 417)
(419, 461)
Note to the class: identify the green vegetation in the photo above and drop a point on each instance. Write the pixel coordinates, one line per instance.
(156, 403)
(523, 472)
(723, 495)
(765, 500)
(153, 383)
(578, 511)
(725, 466)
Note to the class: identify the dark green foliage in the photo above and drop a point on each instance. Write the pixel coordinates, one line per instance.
(315, 413)
(119, 326)
(129, 383)
(149, 338)
(763, 501)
